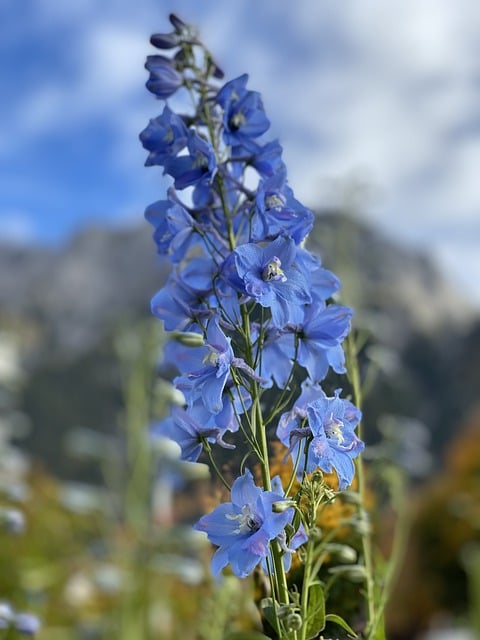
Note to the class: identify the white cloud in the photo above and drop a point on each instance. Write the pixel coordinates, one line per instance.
(384, 92)
(17, 227)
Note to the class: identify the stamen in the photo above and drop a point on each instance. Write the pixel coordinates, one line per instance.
(200, 161)
(333, 429)
(238, 120)
(273, 271)
(246, 520)
(274, 201)
(211, 358)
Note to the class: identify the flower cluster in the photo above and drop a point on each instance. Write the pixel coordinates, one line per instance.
(25, 624)
(250, 306)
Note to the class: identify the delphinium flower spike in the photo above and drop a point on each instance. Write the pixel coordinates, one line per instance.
(254, 305)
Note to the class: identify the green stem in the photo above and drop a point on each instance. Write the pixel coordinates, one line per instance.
(399, 546)
(258, 428)
(218, 473)
(305, 587)
(352, 357)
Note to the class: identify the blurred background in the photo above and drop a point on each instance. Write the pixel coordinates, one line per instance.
(376, 107)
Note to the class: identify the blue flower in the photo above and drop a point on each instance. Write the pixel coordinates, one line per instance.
(243, 114)
(164, 79)
(164, 137)
(277, 211)
(243, 528)
(178, 305)
(320, 336)
(327, 425)
(270, 276)
(193, 169)
(174, 228)
(267, 160)
(278, 350)
(185, 429)
(208, 382)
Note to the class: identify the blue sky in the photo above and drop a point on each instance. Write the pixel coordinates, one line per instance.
(375, 103)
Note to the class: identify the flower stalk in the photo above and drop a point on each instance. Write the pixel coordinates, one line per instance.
(256, 329)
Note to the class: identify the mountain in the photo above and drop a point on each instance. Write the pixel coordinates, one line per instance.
(392, 288)
(74, 295)
(67, 306)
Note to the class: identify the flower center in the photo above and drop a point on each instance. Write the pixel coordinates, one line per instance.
(211, 357)
(247, 522)
(274, 201)
(237, 120)
(200, 161)
(273, 271)
(333, 429)
(169, 135)
(220, 361)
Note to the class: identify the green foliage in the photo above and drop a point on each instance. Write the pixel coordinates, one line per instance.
(315, 621)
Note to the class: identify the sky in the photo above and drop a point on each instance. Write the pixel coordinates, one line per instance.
(376, 104)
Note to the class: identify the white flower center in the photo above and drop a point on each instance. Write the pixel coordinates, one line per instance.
(247, 522)
(333, 429)
(273, 271)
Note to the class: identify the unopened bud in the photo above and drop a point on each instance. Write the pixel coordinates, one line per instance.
(315, 534)
(188, 338)
(351, 497)
(342, 552)
(194, 470)
(360, 525)
(176, 22)
(164, 40)
(166, 449)
(283, 505)
(293, 622)
(283, 611)
(352, 572)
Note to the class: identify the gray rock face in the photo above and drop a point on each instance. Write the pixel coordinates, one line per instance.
(75, 294)
(393, 289)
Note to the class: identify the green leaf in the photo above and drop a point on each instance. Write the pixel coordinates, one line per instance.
(267, 605)
(246, 635)
(315, 611)
(332, 617)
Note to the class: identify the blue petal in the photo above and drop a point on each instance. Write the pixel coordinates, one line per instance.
(219, 560)
(244, 490)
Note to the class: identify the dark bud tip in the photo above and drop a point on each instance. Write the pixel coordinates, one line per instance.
(176, 22)
(164, 40)
(217, 72)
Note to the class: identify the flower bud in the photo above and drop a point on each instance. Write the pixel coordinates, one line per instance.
(352, 572)
(293, 622)
(217, 72)
(351, 497)
(315, 533)
(194, 470)
(176, 22)
(188, 338)
(164, 78)
(283, 505)
(342, 552)
(166, 449)
(164, 40)
(360, 525)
